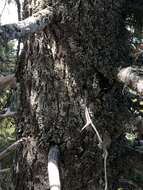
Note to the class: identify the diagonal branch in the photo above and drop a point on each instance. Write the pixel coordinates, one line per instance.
(11, 148)
(24, 28)
(132, 77)
(7, 114)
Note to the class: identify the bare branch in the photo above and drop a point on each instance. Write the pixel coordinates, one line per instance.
(4, 170)
(53, 170)
(24, 28)
(11, 148)
(7, 81)
(7, 114)
(132, 77)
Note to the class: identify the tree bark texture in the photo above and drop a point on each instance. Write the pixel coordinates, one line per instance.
(64, 68)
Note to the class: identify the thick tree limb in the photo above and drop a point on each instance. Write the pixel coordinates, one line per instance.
(133, 78)
(53, 170)
(28, 26)
(11, 148)
(7, 81)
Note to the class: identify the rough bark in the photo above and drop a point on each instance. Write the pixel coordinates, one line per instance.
(64, 69)
(7, 114)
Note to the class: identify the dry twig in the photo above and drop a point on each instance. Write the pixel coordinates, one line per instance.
(101, 144)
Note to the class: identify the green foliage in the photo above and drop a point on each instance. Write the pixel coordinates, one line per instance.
(7, 137)
(7, 57)
(7, 132)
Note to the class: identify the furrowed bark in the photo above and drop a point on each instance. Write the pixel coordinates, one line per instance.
(133, 78)
(28, 26)
(11, 148)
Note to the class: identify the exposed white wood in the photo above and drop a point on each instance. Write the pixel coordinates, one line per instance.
(7, 114)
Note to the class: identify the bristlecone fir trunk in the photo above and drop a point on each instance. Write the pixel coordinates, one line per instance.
(62, 69)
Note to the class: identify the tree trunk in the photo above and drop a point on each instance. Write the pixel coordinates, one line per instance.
(63, 69)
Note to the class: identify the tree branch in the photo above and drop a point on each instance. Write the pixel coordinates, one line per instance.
(11, 148)
(28, 26)
(132, 77)
(53, 170)
(7, 81)
(7, 114)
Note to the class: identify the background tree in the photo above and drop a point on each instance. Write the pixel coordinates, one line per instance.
(75, 55)
(7, 104)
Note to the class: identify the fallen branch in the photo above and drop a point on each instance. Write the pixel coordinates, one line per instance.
(24, 28)
(11, 148)
(53, 170)
(7, 81)
(133, 78)
(102, 144)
